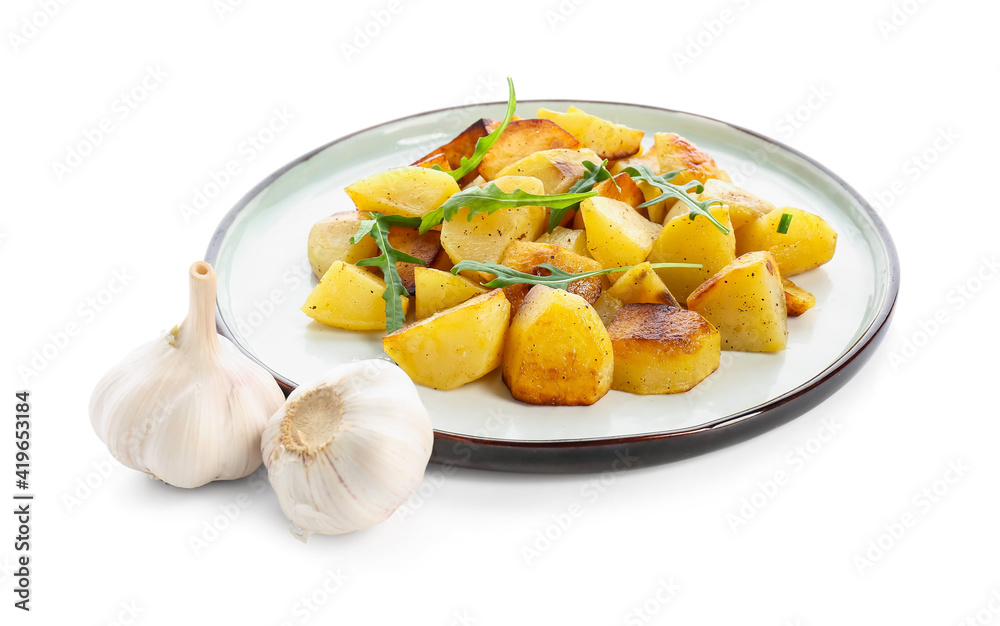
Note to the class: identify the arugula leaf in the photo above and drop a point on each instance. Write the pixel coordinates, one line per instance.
(786, 221)
(662, 182)
(378, 229)
(595, 174)
(483, 145)
(490, 198)
(558, 279)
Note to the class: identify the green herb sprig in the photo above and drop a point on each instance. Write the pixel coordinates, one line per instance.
(595, 174)
(558, 279)
(483, 145)
(670, 190)
(378, 228)
(491, 198)
(786, 221)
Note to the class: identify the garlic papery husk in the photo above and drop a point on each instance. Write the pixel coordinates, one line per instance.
(346, 451)
(189, 407)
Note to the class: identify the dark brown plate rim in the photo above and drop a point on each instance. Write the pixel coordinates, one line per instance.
(614, 453)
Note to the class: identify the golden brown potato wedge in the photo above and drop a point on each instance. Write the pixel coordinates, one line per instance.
(349, 297)
(485, 236)
(623, 188)
(454, 346)
(330, 240)
(558, 351)
(607, 306)
(809, 242)
(526, 256)
(435, 160)
(644, 157)
(744, 207)
(425, 247)
(607, 139)
(686, 240)
(662, 349)
(746, 302)
(558, 169)
(463, 145)
(797, 299)
(574, 240)
(616, 234)
(408, 191)
(642, 285)
(521, 138)
(675, 152)
(437, 290)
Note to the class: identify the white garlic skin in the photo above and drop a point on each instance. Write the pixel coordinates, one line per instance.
(188, 408)
(374, 461)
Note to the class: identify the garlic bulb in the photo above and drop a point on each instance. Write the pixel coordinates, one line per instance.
(189, 407)
(347, 450)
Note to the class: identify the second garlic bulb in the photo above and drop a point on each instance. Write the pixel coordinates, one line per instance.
(347, 450)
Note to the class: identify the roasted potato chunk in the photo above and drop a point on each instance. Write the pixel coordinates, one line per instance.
(463, 145)
(607, 139)
(574, 240)
(809, 242)
(435, 160)
(409, 240)
(521, 138)
(797, 299)
(686, 240)
(454, 346)
(744, 207)
(745, 301)
(349, 297)
(607, 306)
(616, 234)
(622, 188)
(558, 351)
(558, 169)
(662, 349)
(409, 191)
(642, 285)
(437, 290)
(525, 256)
(675, 152)
(485, 236)
(330, 240)
(643, 157)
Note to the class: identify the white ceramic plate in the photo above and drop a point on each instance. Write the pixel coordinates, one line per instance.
(259, 253)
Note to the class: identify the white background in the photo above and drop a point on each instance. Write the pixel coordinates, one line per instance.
(867, 98)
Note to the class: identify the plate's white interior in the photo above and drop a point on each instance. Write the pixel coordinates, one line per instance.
(264, 278)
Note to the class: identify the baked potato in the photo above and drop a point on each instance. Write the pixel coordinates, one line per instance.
(607, 139)
(674, 152)
(574, 240)
(558, 351)
(744, 207)
(797, 299)
(408, 191)
(424, 247)
(485, 236)
(521, 138)
(686, 240)
(525, 256)
(349, 297)
(437, 290)
(330, 240)
(454, 346)
(662, 349)
(745, 301)
(558, 169)
(809, 242)
(616, 234)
